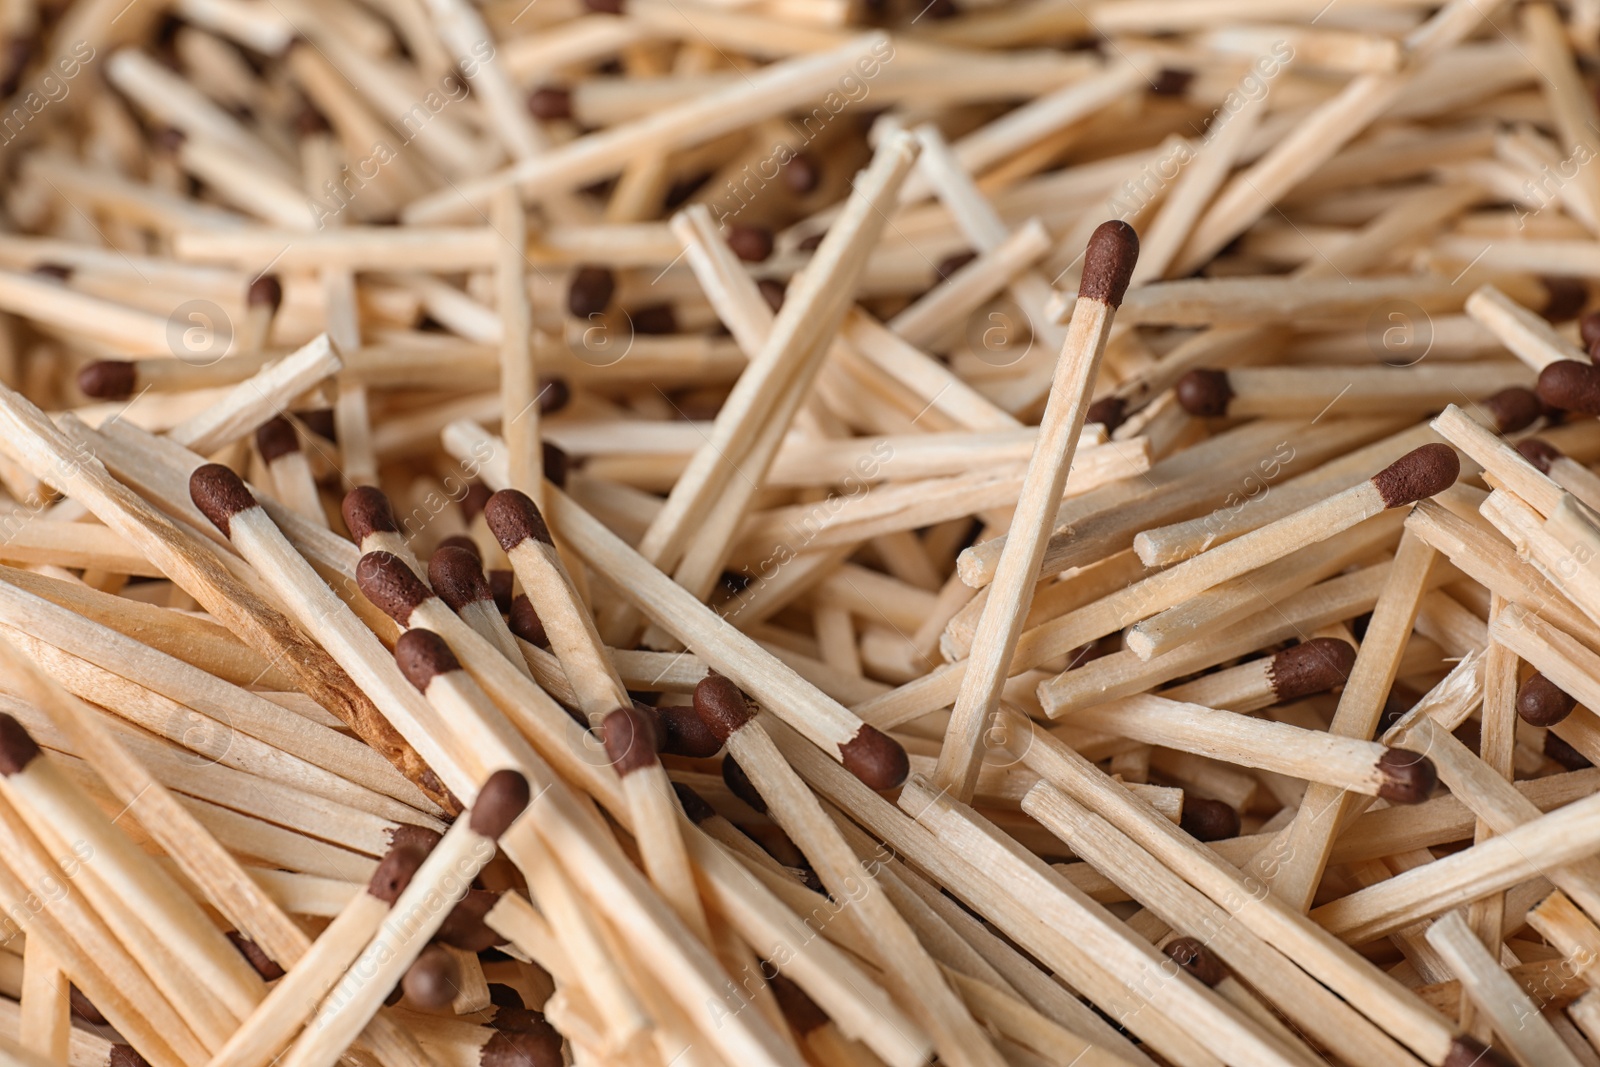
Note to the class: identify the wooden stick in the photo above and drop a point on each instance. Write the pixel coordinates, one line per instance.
(258, 398)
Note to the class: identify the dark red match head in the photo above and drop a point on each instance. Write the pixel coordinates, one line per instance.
(220, 494)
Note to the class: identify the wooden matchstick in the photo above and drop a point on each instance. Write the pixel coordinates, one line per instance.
(370, 519)
(258, 398)
(1279, 391)
(1108, 263)
(278, 443)
(456, 574)
(416, 915)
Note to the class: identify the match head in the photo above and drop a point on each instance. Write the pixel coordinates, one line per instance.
(1205, 393)
(461, 541)
(513, 517)
(502, 798)
(395, 871)
(276, 437)
(476, 497)
(410, 835)
(1540, 702)
(502, 584)
(17, 747)
(522, 1048)
(1405, 777)
(590, 291)
(684, 733)
(1539, 452)
(1108, 262)
(457, 576)
(264, 965)
(550, 102)
(1108, 411)
(1470, 1052)
(557, 464)
(694, 805)
(433, 979)
(1194, 957)
(366, 511)
(422, 656)
(391, 585)
(525, 622)
(220, 494)
(266, 291)
(1513, 409)
(739, 784)
(125, 1056)
(630, 739)
(875, 758)
(1313, 666)
(464, 927)
(108, 379)
(1205, 819)
(1417, 475)
(1571, 386)
(1589, 329)
(1570, 758)
(750, 243)
(555, 394)
(722, 706)
(798, 1008)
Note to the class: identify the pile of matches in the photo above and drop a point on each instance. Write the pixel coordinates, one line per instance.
(678, 533)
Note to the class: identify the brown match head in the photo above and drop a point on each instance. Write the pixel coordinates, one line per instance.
(557, 464)
(1194, 957)
(391, 585)
(1513, 409)
(83, 1008)
(266, 291)
(721, 705)
(1205, 393)
(1405, 777)
(550, 102)
(1539, 452)
(1417, 475)
(366, 511)
(799, 1010)
(684, 733)
(17, 747)
(554, 394)
(513, 517)
(456, 575)
(121, 1055)
(276, 437)
(750, 243)
(461, 541)
(694, 805)
(320, 422)
(1313, 666)
(1571, 386)
(590, 291)
(876, 758)
(1589, 329)
(395, 871)
(740, 785)
(220, 494)
(502, 798)
(522, 1048)
(1108, 411)
(502, 585)
(773, 292)
(1540, 702)
(464, 927)
(630, 739)
(433, 980)
(1108, 262)
(525, 622)
(265, 965)
(802, 174)
(108, 379)
(1470, 1052)
(1205, 819)
(477, 496)
(507, 997)
(422, 656)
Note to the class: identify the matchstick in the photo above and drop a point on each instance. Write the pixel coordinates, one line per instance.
(418, 912)
(1309, 391)
(278, 443)
(258, 398)
(456, 575)
(1313, 666)
(370, 518)
(1108, 263)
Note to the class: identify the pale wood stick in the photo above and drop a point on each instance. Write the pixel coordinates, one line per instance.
(1109, 261)
(933, 315)
(418, 912)
(1529, 337)
(293, 482)
(35, 540)
(1311, 391)
(178, 103)
(1572, 109)
(258, 398)
(1565, 471)
(1562, 549)
(1260, 301)
(769, 91)
(1309, 838)
(519, 382)
(46, 1024)
(127, 330)
(1211, 1021)
(1368, 989)
(1281, 982)
(1515, 1017)
(1572, 933)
